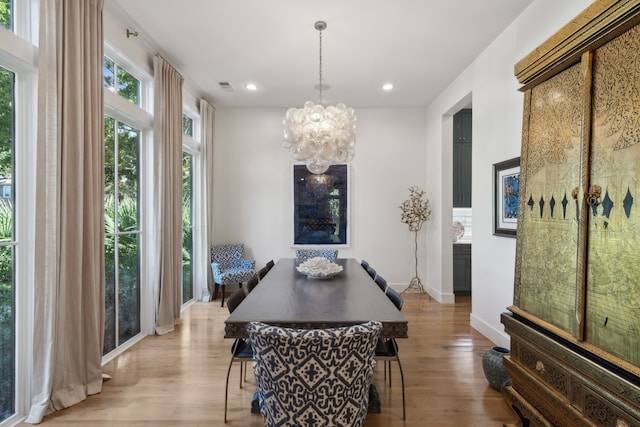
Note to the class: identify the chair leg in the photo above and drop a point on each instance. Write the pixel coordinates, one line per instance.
(402, 381)
(215, 291)
(243, 369)
(226, 389)
(222, 301)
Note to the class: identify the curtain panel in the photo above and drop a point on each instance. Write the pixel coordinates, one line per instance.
(69, 268)
(208, 119)
(167, 137)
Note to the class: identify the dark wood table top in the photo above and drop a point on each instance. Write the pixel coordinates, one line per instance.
(289, 299)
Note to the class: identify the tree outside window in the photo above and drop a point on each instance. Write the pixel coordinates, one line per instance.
(122, 234)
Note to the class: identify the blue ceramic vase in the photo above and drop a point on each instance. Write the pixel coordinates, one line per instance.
(493, 369)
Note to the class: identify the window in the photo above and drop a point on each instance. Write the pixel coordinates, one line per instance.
(122, 233)
(7, 245)
(320, 206)
(6, 14)
(118, 80)
(187, 227)
(187, 125)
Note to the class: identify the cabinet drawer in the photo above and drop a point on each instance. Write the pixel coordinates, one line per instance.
(566, 388)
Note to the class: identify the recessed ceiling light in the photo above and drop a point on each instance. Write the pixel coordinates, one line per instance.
(251, 86)
(387, 87)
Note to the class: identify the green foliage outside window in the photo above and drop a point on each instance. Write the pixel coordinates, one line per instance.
(7, 309)
(187, 228)
(187, 125)
(122, 229)
(6, 15)
(119, 80)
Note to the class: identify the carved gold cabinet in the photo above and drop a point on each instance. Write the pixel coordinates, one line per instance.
(575, 321)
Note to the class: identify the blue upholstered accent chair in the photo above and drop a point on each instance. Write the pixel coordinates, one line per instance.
(228, 266)
(304, 254)
(315, 377)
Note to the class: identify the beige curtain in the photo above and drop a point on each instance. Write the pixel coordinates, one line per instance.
(167, 136)
(208, 119)
(69, 268)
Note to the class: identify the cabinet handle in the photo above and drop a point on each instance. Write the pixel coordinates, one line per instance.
(594, 194)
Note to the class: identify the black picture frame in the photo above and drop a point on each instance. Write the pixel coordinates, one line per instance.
(506, 190)
(321, 207)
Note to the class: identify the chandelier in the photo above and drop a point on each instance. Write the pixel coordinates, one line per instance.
(317, 135)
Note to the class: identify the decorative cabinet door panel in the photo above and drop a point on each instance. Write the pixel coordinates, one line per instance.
(548, 227)
(575, 321)
(613, 267)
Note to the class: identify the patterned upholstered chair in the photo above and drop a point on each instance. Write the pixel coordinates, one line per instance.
(304, 254)
(317, 377)
(228, 266)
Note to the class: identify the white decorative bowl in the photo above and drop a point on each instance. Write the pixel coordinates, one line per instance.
(319, 268)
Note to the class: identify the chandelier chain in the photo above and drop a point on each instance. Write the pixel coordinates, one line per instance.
(320, 86)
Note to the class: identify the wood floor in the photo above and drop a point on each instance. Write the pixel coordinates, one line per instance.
(178, 379)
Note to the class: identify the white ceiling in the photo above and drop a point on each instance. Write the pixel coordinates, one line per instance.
(420, 46)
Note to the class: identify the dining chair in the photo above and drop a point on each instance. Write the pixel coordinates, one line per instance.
(371, 271)
(364, 264)
(314, 377)
(387, 348)
(304, 254)
(229, 267)
(263, 272)
(251, 283)
(381, 282)
(241, 350)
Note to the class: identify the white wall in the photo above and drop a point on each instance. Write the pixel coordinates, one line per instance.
(253, 186)
(395, 149)
(497, 114)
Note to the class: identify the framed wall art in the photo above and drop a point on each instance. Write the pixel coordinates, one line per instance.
(321, 206)
(506, 176)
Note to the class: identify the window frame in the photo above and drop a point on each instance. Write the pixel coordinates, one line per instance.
(140, 118)
(192, 146)
(18, 55)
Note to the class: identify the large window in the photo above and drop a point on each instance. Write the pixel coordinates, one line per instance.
(122, 233)
(187, 227)
(7, 245)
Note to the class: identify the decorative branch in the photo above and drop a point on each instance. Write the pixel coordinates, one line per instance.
(415, 210)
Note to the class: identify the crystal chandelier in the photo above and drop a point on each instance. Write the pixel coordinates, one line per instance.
(317, 135)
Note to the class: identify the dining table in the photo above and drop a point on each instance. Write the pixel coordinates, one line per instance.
(288, 298)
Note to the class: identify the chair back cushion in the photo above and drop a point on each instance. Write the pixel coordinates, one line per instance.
(395, 297)
(317, 377)
(235, 299)
(304, 254)
(227, 256)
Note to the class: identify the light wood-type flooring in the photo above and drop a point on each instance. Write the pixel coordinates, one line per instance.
(178, 379)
